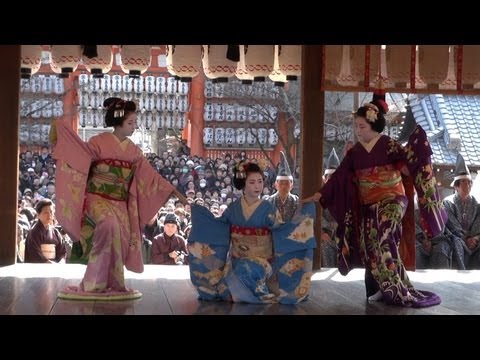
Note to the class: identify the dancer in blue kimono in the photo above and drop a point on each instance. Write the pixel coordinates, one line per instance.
(248, 255)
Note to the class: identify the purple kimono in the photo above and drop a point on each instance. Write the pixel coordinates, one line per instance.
(367, 198)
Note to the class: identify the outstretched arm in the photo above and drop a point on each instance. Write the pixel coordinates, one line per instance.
(314, 198)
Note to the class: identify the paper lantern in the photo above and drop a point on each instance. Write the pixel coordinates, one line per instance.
(470, 69)
(30, 61)
(150, 84)
(184, 61)
(136, 59)
(216, 66)
(262, 134)
(272, 137)
(290, 60)
(241, 73)
(100, 64)
(219, 136)
(65, 58)
(161, 85)
(208, 136)
(47, 84)
(433, 64)
(229, 136)
(240, 136)
(259, 61)
(251, 136)
(333, 63)
(181, 120)
(398, 58)
(219, 112)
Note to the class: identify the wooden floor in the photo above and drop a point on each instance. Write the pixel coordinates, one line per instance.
(31, 289)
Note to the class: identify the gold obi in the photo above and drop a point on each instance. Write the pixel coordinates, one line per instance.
(110, 179)
(251, 242)
(378, 183)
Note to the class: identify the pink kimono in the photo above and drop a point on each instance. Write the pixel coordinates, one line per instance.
(106, 192)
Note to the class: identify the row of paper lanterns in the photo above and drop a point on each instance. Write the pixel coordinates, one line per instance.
(280, 63)
(146, 120)
(235, 88)
(220, 136)
(148, 102)
(235, 112)
(118, 83)
(41, 108)
(43, 84)
(35, 134)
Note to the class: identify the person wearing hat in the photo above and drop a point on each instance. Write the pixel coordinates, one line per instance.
(367, 198)
(463, 218)
(109, 191)
(169, 248)
(284, 201)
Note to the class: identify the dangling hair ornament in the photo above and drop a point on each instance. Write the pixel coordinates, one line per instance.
(240, 167)
(118, 106)
(371, 113)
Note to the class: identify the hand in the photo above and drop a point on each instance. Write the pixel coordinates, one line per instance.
(471, 242)
(427, 245)
(180, 197)
(173, 255)
(314, 198)
(324, 236)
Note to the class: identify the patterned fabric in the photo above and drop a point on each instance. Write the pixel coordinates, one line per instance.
(231, 261)
(110, 179)
(369, 233)
(286, 208)
(208, 245)
(328, 244)
(107, 223)
(463, 221)
(294, 243)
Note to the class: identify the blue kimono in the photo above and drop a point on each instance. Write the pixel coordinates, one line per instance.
(246, 256)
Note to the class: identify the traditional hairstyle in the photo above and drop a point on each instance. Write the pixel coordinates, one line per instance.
(241, 171)
(117, 110)
(374, 111)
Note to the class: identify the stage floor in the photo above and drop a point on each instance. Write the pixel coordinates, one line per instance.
(31, 289)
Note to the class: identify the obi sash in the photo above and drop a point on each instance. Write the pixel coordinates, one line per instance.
(111, 179)
(48, 250)
(378, 183)
(251, 242)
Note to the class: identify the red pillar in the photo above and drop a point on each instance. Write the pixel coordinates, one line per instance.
(197, 102)
(70, 113)
(282, 128)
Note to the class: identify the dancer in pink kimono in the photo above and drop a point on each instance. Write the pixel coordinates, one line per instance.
(106, 192)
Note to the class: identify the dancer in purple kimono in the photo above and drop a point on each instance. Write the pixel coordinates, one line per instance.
(366, 196)
(106, 192)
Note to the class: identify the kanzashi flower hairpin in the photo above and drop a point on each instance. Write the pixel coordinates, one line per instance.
(371, 113)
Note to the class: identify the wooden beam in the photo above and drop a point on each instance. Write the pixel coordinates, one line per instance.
(312, 130)
(9, 103)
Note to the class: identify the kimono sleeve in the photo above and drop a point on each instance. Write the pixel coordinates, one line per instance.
(418, 155)
(149, 188)
(208, 244)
